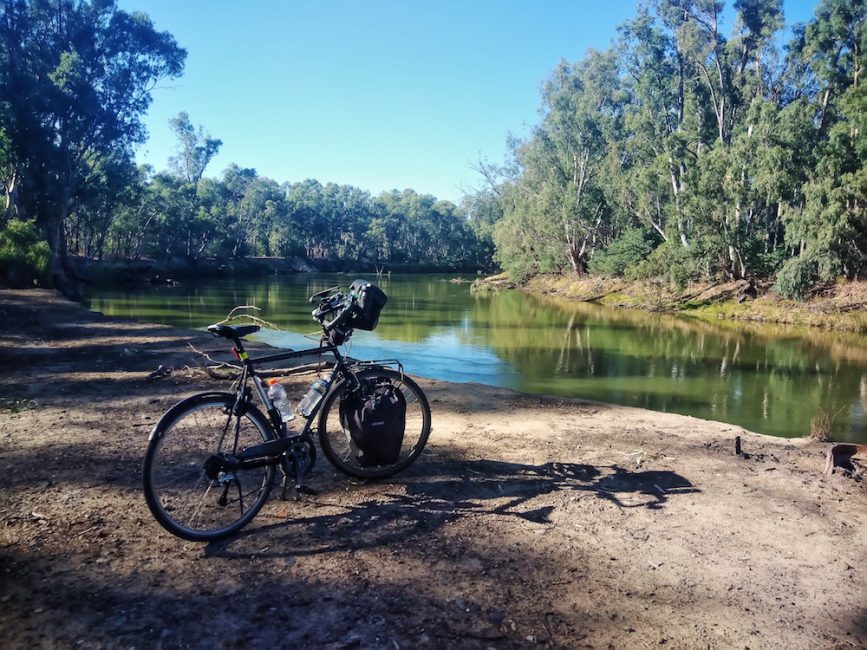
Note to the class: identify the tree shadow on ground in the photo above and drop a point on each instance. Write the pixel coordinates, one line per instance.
(859, 628)
(439, 492)
(190, 604)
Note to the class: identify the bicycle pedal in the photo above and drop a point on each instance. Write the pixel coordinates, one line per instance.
(303, 489)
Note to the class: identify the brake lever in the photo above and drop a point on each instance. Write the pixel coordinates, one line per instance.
(319, 294)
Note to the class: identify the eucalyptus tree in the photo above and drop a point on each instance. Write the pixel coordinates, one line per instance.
(265, 203)
(386, 229)
(195, 149)
(349, 212)
(829, 231)
(482, 210)
(734, 80)
(113, 186)
(242, 211)
(284, 237)
(556, 208)
(131, 229)
(171, 205)
(8, 174)
(76, 77)
(657, 149)
(305, 205)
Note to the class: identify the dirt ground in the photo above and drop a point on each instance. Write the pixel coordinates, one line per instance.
(527, 521)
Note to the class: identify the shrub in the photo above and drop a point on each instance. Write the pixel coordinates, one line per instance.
(24, 255)
(623, 254)
(520, 271)
(669, 261)
(796, 277)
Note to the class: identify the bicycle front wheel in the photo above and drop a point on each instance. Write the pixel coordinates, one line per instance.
(335, 436)
(179, 493)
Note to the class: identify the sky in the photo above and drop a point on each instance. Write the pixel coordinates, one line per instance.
(379, 94)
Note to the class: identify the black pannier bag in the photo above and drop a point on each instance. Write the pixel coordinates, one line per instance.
(368, 301)
(376, 420)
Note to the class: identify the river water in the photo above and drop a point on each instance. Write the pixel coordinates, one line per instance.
(770, 379)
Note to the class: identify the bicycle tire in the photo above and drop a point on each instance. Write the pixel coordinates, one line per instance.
(179, 494)
(336, 441)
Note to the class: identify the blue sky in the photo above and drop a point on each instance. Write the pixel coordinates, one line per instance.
(379, 94)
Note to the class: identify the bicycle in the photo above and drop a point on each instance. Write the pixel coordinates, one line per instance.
(211, 459)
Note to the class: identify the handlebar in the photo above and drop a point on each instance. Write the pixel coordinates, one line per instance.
(328, 305)
(338, 320)
(337, 302)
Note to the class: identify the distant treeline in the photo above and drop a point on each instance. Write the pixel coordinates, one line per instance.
(75, 78)
(242, 214)
(685, 154)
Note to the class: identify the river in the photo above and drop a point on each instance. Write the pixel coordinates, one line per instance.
(770, 379)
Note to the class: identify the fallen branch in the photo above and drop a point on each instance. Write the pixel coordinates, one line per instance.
(687, 297)
(160, 372)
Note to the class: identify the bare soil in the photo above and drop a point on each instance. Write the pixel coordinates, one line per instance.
(527, 520)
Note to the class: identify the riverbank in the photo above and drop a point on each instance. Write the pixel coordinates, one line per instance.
(128, 272)
(526, 521)
(841, 307)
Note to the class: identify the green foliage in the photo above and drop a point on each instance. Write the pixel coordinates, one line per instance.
(195, 149)
(671, 262)
(9, 405)
(796, 277)
(623, 254)
(555, 206)
(737, 157)
(75, 79)
(743, 161)
(243, 214)
(24, 255)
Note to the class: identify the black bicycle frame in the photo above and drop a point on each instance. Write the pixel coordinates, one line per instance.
(249, 370)
(256, 455)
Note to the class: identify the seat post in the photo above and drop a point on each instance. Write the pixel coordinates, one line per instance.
(239, 347)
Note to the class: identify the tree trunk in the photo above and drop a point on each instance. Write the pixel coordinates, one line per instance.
(12, 195)
(63, 277)
(677, 187)
(576, 257)
(52, 217)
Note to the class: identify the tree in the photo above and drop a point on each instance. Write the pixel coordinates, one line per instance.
(113, 184)
(829, 231)
(558, 203)
(76, 77)
(195, 149)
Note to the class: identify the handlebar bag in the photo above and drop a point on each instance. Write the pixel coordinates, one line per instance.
(376, 421)
(368, 301)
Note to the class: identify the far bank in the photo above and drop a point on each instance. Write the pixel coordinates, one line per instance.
(117, 272)
(841, 307)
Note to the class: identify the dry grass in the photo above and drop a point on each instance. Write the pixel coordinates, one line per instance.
(820, 426)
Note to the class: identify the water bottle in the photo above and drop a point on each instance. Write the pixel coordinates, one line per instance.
(277, 395)
(317, 389)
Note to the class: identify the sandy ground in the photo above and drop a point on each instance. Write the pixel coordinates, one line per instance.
(527, 521)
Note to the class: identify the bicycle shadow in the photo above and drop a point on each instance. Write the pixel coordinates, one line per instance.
(433, 494)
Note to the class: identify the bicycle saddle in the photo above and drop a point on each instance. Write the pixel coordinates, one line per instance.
(232, 332)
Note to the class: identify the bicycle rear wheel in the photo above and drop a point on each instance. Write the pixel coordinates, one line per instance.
(335, 437)
(178, 492)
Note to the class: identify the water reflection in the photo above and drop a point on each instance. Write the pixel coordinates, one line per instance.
(772, 379)
(766, 379)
